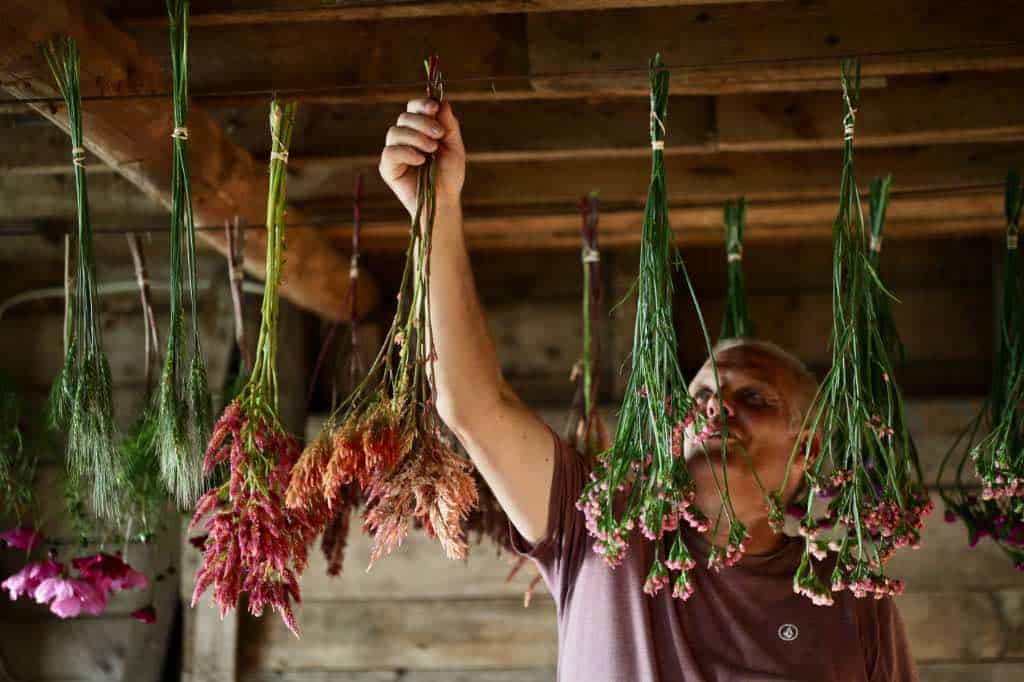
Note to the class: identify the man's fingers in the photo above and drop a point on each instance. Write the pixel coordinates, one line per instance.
(452, 130)
(425, 106)
(425, 124)
(400, 135)
(396, 158)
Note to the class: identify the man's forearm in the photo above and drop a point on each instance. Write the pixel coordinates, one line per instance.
(466, 370)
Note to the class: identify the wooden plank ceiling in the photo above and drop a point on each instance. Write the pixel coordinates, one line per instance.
(552, 96)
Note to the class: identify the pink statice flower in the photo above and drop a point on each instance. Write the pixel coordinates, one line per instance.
(28, 578)
(22, 538)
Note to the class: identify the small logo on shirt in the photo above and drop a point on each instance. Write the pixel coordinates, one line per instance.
(788, 632)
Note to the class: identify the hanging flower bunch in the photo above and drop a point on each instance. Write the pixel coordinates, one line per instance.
(997, 510)
(737, 322)
(585, 430)
(184, 407)
(386, 436)
(254, 544)
(81, 400)
(335, 534)
(51, 582)
(642, 482)
(866, 465)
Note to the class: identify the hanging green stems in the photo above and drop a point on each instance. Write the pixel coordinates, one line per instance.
(82, 398)
(736, 323)
(642, 481)
(255, 545)
(184, 411)
(386, 436)
(17, 462)
(998, 458)
(866, 466)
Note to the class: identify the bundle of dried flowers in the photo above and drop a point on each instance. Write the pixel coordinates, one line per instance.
(255, 544)
(998, 458)
(17, 463)
(642, 481)
(184, 405)
(866, 465)
(386, 436)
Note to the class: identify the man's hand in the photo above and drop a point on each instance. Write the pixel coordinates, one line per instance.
(424, 128)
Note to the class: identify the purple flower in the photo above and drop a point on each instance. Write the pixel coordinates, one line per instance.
(147, 615)
(27, 579)
(22, 538)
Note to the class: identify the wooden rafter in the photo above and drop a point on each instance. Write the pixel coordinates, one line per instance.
(133, 137)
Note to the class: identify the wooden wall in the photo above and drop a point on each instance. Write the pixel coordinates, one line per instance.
(417, 617)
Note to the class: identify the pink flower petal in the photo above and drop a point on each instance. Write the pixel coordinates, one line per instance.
(22, 538)
(68, 607)
(54, 589)
(147, 615)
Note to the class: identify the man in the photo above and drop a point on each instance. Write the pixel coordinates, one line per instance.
(742, 624)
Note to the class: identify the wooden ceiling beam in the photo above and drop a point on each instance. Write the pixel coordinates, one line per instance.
(249, 12)
(712, 49)
(226, 180)
(907, 217)
(791, 40)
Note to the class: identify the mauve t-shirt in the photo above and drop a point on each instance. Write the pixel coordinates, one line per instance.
(743, 624)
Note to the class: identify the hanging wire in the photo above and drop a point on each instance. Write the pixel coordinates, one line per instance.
(377, 87)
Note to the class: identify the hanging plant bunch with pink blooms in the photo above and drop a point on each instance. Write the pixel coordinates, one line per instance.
(386, 437)
(254, 544)
(859, 454)
(641, 483)
(997, 459)
(83, 585)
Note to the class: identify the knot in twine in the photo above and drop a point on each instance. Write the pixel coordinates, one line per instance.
(1011, 242)
(590, 255)
(78, 156)
(180, 133)
(353, 266)
(735, 253)
(281, 156)
(657, 144)
(848, 122)
(876, 243)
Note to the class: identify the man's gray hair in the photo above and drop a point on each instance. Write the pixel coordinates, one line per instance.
(805, 384)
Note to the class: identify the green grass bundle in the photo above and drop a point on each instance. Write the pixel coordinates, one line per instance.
(184, 405)
(736, 323)
(82, 397)
(642, 481)
(866, 465)
(387, 436)
(998, 457)
(17, 463)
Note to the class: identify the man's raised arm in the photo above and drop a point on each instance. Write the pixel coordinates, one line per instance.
(509, 443)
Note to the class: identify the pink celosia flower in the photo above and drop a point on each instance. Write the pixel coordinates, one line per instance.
(22, 538)
(27, 579)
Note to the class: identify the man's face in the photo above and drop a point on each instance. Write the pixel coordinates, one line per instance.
(757, 394)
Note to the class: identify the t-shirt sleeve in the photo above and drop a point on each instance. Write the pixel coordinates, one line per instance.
(560, 550)
(886, 648)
